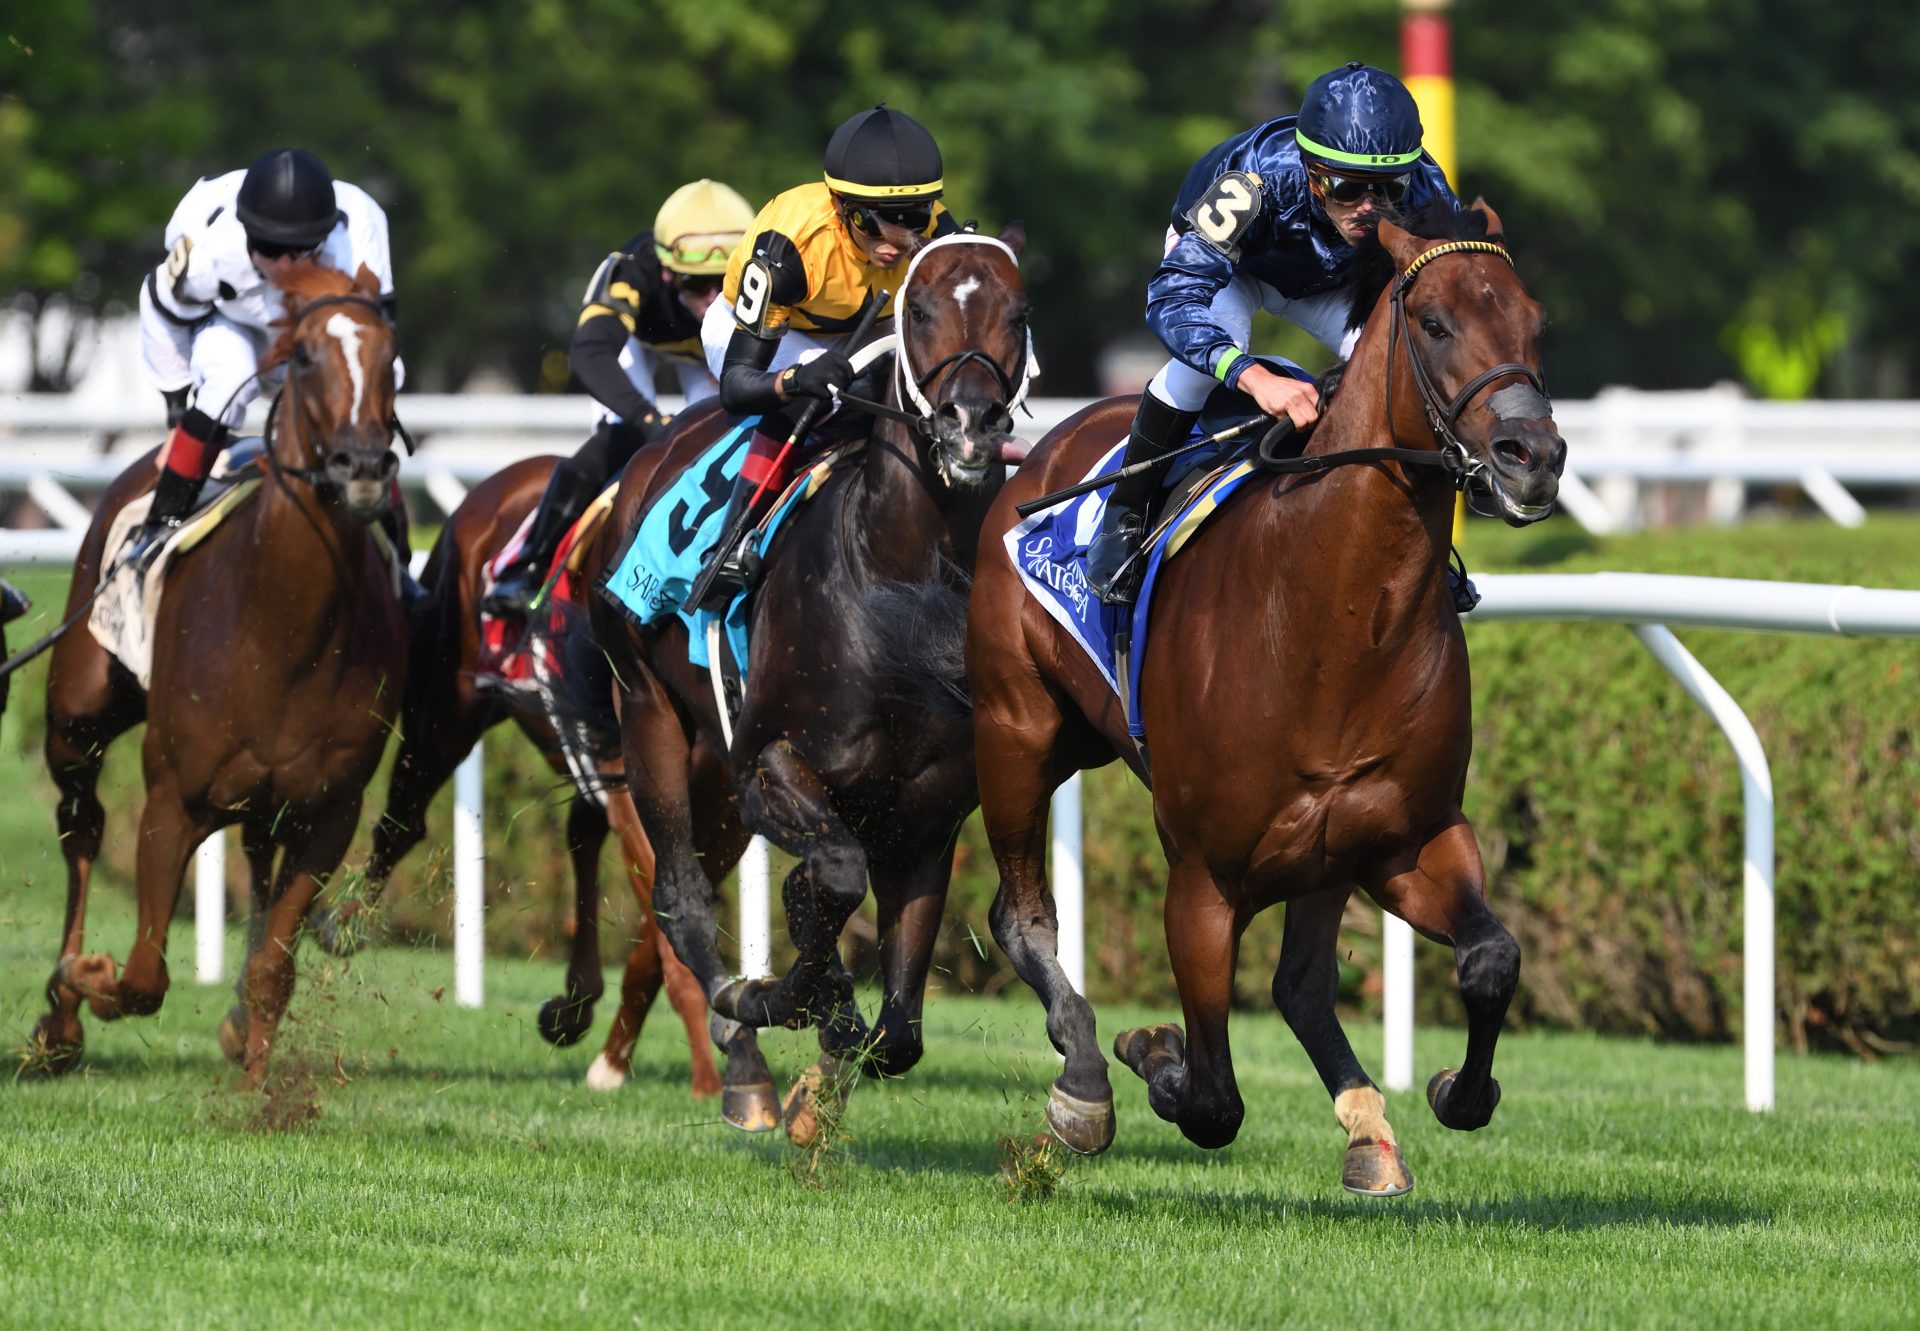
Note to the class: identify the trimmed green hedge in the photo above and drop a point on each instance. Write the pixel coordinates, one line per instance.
(1607, 805)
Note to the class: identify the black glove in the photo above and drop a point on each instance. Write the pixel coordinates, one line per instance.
(176, 405)
(818, 377)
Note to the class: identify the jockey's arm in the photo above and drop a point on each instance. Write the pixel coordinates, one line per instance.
(1179, 301)
(747, 386)
(594, 358)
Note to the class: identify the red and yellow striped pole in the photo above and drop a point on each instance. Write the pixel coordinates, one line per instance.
(1426, 67)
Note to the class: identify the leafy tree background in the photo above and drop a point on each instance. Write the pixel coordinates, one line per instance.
(1697, 189)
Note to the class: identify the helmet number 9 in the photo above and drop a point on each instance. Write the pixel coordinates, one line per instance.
(1223, 214)
(755, 282)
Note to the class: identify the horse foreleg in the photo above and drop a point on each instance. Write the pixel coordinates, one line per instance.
(1013, 746)
(1304, 988)
(168, 836)
(267, 989)
(1189, 1075)
(911, 896)
(1444, 897)
(568, 1016)
(256, 841)
(787, 802)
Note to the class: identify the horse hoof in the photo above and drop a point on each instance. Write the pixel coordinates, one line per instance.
(604, 1076)
(1375, 1169)
(1084, 1127)
(50, 1052)
(1134, 1047)
(96, 978)
(333, 931)
(1452, 1114)
(564, 1021)
(750, 1108)
(232, 1034)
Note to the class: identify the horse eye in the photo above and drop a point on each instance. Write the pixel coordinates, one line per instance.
(918, 312)
(1431, 327)
(1021, 317)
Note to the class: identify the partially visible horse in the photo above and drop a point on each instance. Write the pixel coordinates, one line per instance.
(1305, 701)
(279, 652)
(445, 712)
(827, 759)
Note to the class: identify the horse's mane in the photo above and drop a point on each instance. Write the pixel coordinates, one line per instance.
(304, 280)
(1372, 268)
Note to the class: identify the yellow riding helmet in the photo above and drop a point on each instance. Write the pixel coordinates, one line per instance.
(698, 226)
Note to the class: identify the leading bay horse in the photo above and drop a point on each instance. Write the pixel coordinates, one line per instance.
(1306, 706)
(826, 759)
(278, 660)
(446, 711)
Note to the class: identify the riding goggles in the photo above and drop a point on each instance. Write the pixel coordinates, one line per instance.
(269, 249)
(697, 249)
(916, 217)
(1351, 189)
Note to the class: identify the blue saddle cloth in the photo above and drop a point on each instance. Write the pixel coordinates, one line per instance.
(653, 575)
(1050, 551)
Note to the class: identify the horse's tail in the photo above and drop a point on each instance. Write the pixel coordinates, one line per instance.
(921, 631)
(579, 695)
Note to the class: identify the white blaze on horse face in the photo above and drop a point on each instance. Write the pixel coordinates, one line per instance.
(965, 289)
(348, 332)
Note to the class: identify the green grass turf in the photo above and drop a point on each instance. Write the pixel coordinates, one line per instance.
(464, 1175)
(457, 1171)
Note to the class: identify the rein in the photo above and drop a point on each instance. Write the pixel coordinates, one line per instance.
(316, 475)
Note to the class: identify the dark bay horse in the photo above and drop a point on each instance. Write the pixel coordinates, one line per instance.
(446, 711)
(1306, 707)
(278, 662)
(826, 760)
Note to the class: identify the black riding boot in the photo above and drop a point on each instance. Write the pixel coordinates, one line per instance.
(567, 496)
(727, 572)
(1157, 427)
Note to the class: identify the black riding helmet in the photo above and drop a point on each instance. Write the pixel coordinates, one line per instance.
(884, 156)
(287, 199)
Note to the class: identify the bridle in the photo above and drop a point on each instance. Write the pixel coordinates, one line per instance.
(315, 473)
(919, 387)
(1445, 417)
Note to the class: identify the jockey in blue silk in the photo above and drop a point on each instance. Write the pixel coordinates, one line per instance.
(1267, 220)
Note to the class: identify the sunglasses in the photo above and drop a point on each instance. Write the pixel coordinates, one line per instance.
(1351, 189)
(909, 216)
(268, 249)
(699, 284)
(698, 249)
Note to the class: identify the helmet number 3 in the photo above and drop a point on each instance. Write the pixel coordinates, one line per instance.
(755, 282)
(1223, 214)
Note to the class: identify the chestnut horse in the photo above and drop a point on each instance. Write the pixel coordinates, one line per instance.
(826, 760)
(278, 660)
(1305, 699)
(444, 714)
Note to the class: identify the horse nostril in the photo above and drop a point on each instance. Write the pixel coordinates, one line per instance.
(340, 461)
(1512, 452)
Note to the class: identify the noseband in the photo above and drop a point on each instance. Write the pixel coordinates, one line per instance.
(1445, 418)
(316, 474)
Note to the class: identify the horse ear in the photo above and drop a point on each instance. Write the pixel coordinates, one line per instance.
(1495, 231)
(364, 281)
(1014, 236)
(1403, 246)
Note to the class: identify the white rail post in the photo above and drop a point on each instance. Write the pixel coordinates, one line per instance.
(1756, 787)
(1068, 873)
(469, 882)
(756, 912)
(1396, 1001)
(210, 908)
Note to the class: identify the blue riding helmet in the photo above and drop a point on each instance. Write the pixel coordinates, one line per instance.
(1358, 119)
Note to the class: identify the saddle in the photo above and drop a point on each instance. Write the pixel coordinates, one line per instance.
(517, 650)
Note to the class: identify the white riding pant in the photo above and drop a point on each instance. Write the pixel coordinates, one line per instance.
(641, 365)
(1184, 388)
(216, 357)
(716, 332)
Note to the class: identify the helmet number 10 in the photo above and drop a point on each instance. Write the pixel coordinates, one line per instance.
(1224, 212)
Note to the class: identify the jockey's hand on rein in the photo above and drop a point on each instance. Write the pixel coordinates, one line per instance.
(1281, 395)
(818, 377)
